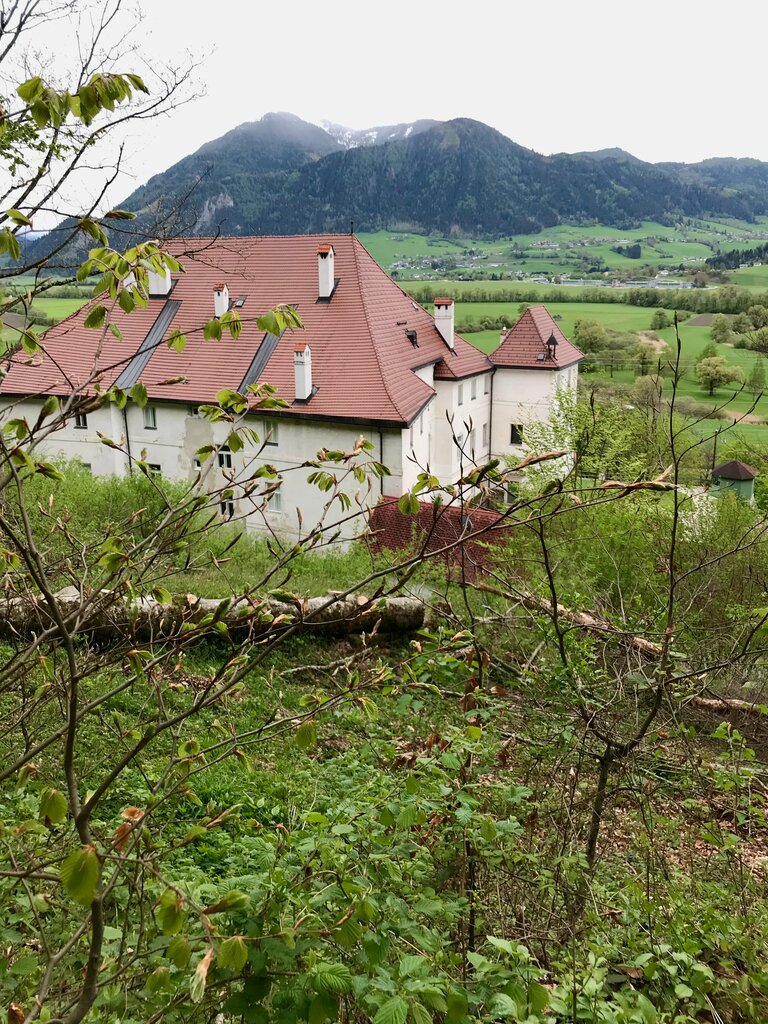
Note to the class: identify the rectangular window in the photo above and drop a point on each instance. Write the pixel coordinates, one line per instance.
(485, 435)
(227, 508)
(516, 433)
(461, 394)
(225, 458)
(410, 435)
(486, 383)
(150, 417)
(421, 424)
(198, 464)
(472, 442)
(194, 410)
(474, 388)
(270, 432)
(155, 469)
(81, 421)
(275, 502)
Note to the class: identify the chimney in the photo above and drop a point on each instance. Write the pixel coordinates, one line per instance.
(302, 370)
(325, 278)
(220, 299)
(444, 320)
(158, 285)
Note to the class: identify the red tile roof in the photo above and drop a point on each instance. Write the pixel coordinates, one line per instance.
(525, 343)
(362, 361)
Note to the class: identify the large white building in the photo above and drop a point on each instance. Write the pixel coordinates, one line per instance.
(369, 361)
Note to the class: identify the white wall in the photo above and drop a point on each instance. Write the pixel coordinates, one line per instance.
(455, 400)
(178, 435)
(522, 397)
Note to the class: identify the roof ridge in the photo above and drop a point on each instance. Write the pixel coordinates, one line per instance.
(371, 333)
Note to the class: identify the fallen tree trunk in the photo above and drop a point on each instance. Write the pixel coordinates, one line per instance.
(106, 617)
(648, 648)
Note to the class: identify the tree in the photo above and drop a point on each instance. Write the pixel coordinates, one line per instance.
(758, 316)
(756, 378)
(660, 320)
(720, 331)
(708, 352)
(715, 371)
(645, 355)
(741, 324)
(590, 335)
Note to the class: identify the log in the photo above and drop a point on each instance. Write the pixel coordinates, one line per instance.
(106, 617)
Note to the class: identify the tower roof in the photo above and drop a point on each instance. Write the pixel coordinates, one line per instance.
(524, 346)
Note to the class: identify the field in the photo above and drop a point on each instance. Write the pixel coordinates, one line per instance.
(564, 249)
(55, 308)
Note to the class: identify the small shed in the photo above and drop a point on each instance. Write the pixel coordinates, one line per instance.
(735, 476)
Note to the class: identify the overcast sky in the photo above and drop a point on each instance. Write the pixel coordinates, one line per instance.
(664, 79)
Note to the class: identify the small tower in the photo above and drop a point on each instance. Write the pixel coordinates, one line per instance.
(734, 476)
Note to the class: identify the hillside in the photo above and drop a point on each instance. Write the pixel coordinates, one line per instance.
(459, 177)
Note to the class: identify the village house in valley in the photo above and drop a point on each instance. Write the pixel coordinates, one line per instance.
(370, 361)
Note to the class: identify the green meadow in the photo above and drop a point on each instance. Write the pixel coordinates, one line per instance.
(565, 248)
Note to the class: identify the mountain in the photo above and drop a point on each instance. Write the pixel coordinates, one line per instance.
(195, 192)
(283, 175)
(352, 138)
(613, 153)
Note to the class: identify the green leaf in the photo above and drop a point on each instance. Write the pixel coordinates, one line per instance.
(50, 406)
(126, 301)
(96, 317)
(683, 991)
(647, 1009)
(53, 806)
(18, 217)
(332, 979)
(306, 734)
(457, 1008)
(80, 874)
(503, 1005)
(394, 1011)
(10, 244)
(420, 1014)
(179, 951)
(538, 997)
(212, 331)
(162, 596)
(233, 953)
(171, 915)
(159, 980)
(177, 341)
(408, 504)
(189, 748)
(30, 90)
(139, 394)
(323, 1008)
(120, 214)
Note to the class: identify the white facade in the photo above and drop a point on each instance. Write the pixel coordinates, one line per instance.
(521, 397)
(478, 411)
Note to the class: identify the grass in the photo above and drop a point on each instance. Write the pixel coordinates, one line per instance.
(566, 248)
(58, 309)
